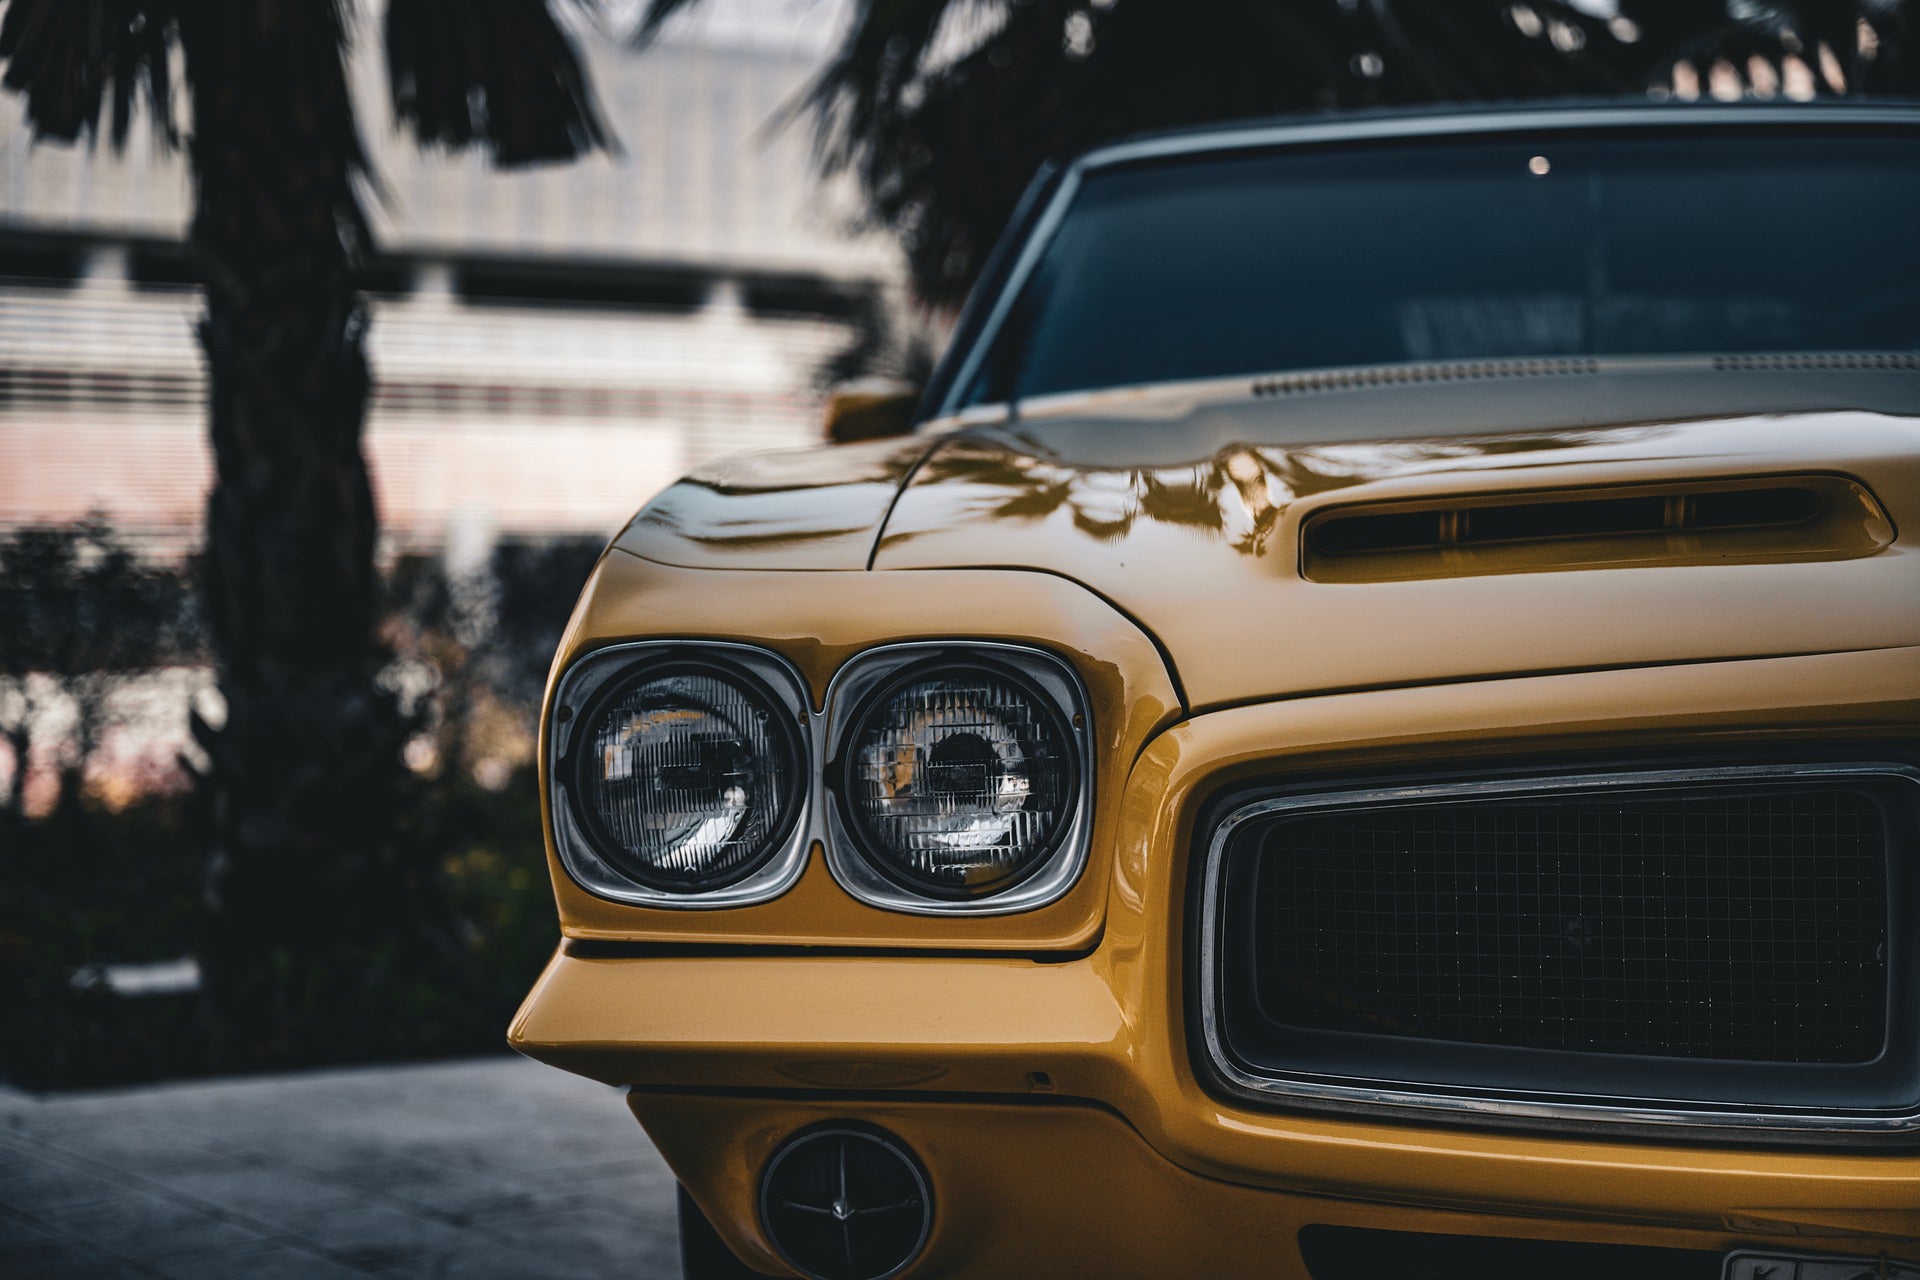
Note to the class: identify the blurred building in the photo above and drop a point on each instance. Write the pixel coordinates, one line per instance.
(550, 346)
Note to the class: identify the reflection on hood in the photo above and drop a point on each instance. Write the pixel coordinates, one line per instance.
(1235, 496)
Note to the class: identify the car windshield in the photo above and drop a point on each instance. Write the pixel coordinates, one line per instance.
(1675, 243)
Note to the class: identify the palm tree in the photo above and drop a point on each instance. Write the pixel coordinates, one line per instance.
(309, 863)
(943, 109)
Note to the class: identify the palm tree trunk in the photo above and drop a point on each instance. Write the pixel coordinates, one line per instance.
(306, 784)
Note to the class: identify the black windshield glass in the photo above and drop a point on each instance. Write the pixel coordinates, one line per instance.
(1645, 245)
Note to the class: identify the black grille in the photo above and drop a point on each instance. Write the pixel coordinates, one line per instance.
(1745, 924)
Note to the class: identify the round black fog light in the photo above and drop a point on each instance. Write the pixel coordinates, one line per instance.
(846, 1202)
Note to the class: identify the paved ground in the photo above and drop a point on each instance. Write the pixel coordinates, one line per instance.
(488, 1168)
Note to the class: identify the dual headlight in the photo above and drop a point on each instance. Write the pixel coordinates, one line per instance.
(941, 777)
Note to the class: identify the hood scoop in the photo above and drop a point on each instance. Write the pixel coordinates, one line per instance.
(1759, 520)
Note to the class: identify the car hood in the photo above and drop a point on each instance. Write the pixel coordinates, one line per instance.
(1183, 508)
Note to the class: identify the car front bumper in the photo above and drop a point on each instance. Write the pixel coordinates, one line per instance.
(1062, 1188)
(1051, 1149)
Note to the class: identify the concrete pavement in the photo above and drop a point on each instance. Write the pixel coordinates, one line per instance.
(490, 1168)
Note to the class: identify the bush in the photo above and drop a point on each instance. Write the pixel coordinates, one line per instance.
(92, 878)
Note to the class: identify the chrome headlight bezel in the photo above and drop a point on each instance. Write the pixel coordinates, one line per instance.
(864, 682)
(585, 689)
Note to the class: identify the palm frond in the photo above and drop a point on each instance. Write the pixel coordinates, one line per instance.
(657, 15)
(499, 74)
(69, 58)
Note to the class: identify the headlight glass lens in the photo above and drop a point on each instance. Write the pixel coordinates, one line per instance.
(960, 780)
(689, 777)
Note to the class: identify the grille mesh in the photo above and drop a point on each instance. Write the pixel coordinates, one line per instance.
(1746, 924)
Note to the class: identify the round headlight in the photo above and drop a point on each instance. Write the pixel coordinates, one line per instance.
(687, 776)
(959, 780)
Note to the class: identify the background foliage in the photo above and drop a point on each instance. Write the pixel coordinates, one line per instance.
(93, 874)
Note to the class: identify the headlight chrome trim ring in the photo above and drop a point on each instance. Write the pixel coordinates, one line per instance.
(579, 693)
(869, 674)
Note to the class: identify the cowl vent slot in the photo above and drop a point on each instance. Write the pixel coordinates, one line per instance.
(1792, 518)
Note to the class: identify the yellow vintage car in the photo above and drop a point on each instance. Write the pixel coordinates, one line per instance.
(1364, 725)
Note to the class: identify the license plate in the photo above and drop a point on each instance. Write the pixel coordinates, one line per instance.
(1783, 1266)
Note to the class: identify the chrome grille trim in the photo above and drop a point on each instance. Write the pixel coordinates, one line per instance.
(1411, 1100)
